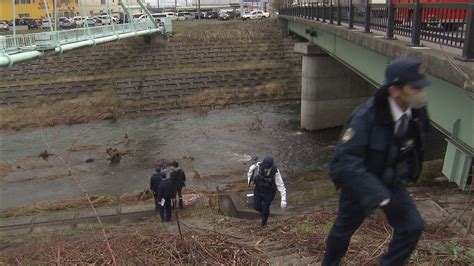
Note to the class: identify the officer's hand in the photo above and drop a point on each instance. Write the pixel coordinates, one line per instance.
(394, 208)
(283, 204)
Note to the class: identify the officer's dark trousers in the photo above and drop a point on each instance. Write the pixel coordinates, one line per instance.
(165, 211)
(157, 206)
(262, 202)
(407, 229)
(179, 194)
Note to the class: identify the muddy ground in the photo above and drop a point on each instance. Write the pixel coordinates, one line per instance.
(208, 237)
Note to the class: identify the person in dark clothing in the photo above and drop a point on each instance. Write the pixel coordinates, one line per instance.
(165, 194)
(178, 178)
(380, 150)
(267, 180)
(155, 181)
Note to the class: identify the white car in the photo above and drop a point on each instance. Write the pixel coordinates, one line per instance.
(45, 24)
(107, 20)
(4, 26)
(79, 21)
(185, 16)
(257, 14)
(173, 15)
(137, 17)
(159, 16)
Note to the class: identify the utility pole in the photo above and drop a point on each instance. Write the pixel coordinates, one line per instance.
(158, 5)
(199, 9)
(241, 7)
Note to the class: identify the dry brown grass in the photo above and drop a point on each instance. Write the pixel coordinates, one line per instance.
(58, 205)
(5, 169)
(126, 73)
(224, 31)
(225, 96)
(56, 176)
(96, 106)
(85, 148)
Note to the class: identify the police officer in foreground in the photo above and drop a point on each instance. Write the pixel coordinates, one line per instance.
(267, 179)
(166, 193)
(380, 150)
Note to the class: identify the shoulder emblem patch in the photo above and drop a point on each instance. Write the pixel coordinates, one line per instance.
(348, 134)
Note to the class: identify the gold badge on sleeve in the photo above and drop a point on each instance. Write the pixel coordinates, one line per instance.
(348, 134)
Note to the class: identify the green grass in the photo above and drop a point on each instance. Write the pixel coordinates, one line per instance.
(316, 193)
(430, 170)
(444, 253)
(304, 229)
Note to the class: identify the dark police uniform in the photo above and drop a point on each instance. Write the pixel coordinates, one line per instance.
(267, 180)
(155, 181)
(372, 163)
(179, 181)
(167, 192)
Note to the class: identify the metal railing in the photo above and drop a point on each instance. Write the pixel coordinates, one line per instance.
(450, 24)
(47, 40)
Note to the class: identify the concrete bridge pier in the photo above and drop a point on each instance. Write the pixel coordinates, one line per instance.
(330, 91)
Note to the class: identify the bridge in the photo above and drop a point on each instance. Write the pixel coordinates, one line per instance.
(365, 38)
(17, 48)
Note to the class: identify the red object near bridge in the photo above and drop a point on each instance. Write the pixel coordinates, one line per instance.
(442, 14)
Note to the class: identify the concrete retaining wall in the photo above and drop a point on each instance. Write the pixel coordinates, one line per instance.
(157, 75)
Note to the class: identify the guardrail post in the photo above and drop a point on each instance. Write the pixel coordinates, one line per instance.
(416, 25)
(367, 16)
(339, 13)
(311, 15)
(317, 11)
(324, 13)
(390, 22)
(351, 15)
(331, 19)
(468, 46)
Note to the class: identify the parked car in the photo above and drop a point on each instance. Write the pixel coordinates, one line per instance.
(23, 21)
(212, 15)
(159, 16)
(173, 15)
(67, 24)
(34, 24)
(79, 21)
(45, 24)
(136, 17)
(89, 22)
(106, 20)
(4, 25)
(185, 16)
(61, 19)
(201, 14)
(224, 16)
(97, 19)
(257, 14)
(123, 18)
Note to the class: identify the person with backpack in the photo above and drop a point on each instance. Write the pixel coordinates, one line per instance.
(267, 180)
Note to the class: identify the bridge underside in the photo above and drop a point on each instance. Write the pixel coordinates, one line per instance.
(450, 108)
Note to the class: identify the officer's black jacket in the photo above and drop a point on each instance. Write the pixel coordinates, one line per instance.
(178, 178)
(155, 181)
(359, 163)
(166, 190)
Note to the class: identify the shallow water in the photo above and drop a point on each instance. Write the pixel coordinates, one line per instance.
(219, 146)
